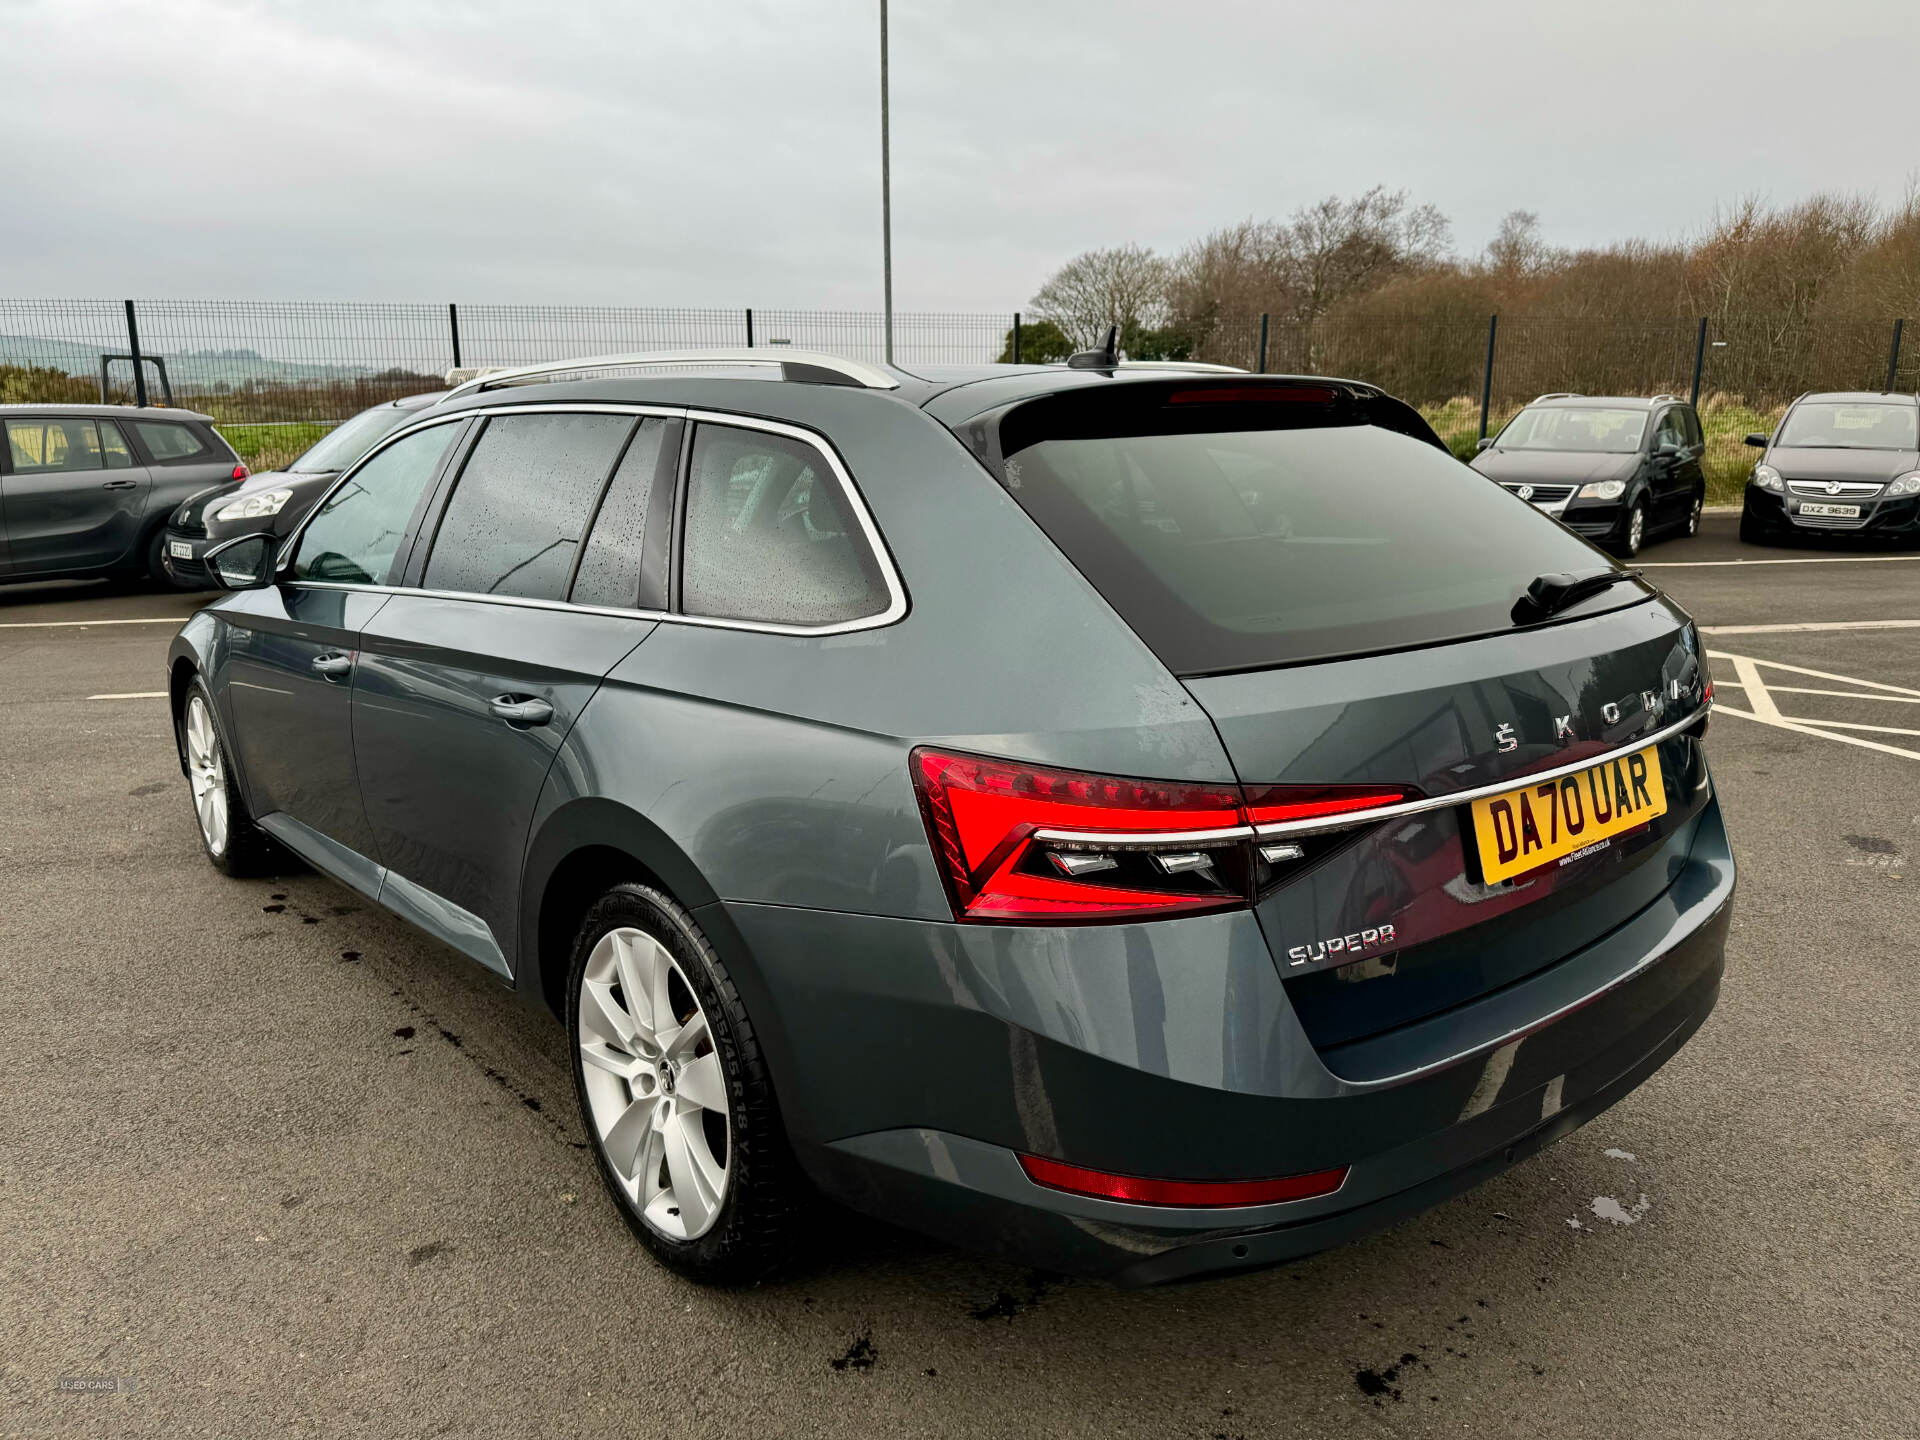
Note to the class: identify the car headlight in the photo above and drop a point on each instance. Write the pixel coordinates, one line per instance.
(255, 507)
(1907, 484)
(1603, 490)
(1768, 478)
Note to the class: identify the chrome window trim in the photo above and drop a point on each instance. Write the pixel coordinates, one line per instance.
(895, 610)
(1479, 792)
(1109, 840)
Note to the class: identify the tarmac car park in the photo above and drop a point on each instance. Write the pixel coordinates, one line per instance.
(298, 1166)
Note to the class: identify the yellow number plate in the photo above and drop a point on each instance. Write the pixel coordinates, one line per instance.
(1539, 824)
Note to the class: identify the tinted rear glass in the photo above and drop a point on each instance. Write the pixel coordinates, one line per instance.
(1288, 533)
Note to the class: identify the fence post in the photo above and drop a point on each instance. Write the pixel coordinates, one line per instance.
(1486, 379)
(1699, 359)
(1016, 337)
(133, 350)
(453, 328)
(749, 327)
(1893, 355)
(1263, 342)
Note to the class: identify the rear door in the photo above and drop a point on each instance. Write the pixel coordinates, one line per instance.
(73, 494)
(1671, 478)
(471, 677)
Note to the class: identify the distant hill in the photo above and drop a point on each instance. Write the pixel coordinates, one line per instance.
(199, 369)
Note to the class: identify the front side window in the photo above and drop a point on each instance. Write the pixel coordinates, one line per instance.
(353, 535)
(1589, 428)
(770, 536)
(53, 447)
(165, 441)
(522, 504)
(1826, 425)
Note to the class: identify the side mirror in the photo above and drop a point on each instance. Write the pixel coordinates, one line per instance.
(1757, 440)
(1486, 443)
(243, 564)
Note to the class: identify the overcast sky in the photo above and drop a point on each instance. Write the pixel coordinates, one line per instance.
(726, 152)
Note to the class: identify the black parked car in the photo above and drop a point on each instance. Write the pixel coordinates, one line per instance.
(274, 500)
(1845, 461)
(1617, 470)
(1144, 820)
(86, 489)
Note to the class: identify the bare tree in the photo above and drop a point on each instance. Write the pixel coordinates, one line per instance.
(1339, 249)
(1517, 250)
(1124, 286)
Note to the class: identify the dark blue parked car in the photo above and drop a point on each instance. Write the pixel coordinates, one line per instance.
(1147, 821)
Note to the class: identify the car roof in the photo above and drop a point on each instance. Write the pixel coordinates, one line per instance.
(1862, 397)
(417, 402)
(134, 412)
(1617, 402)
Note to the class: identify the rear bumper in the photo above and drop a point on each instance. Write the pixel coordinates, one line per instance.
(915, 1061)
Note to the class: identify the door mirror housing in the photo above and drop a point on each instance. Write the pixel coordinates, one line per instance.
(245, 563)
(1758, 440)
(1486, 443)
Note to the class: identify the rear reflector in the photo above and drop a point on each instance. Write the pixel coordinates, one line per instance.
(1027, 844)
(1198, 1194)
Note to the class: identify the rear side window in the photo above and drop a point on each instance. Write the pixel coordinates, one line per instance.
(1239, 537)
(522, 504)
(69, 443)
(770, 536)
(1672, 431)
(610, 566)
(353, 535)
(168, 442)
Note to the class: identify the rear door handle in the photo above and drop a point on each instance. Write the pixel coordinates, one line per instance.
(121, 485)
(335, 666)
(521, 709)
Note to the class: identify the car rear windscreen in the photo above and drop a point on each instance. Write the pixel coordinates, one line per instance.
(1239, 536)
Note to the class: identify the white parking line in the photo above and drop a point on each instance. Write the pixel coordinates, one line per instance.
(1809, 627)
(1798, 560)
(133, 695)
(1764, 711)
(83, 624)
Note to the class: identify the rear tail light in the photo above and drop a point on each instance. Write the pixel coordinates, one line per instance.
(1138, 1190)
(240, 471)
(1027, 844)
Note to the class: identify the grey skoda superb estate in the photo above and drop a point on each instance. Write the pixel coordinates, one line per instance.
(1142, 820)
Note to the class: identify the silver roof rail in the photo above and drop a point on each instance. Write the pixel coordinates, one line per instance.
(1555, 395)
(1660, 398)
(1197, 366)
(870, 376)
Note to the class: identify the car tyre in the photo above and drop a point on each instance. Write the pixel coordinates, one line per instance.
(1753, 532)
(1633, 531)
(233, 843)
(675, 1095)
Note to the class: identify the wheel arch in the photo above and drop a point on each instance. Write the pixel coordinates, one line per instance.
(582, 849)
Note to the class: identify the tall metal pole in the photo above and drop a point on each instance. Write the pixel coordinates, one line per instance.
(1263, 342)
(1486, 380)
(1893, 355)
(139, 365)
(886, 185)
(453, 328)
(1699, 360)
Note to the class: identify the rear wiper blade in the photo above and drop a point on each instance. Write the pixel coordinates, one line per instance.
(1548, 595)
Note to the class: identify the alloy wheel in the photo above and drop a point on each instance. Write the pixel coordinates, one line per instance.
(1636, 530)
(207, 773)
(1693, 516)
(655, 1088)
